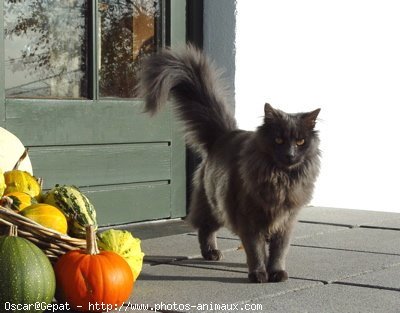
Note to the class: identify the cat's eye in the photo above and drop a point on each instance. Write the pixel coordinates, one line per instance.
(278, 140)
(300, 142)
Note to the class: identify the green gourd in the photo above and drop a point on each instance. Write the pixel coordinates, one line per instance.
(75, 206)
(26, 275)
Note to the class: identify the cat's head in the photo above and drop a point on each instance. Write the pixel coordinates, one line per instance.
(289, 139)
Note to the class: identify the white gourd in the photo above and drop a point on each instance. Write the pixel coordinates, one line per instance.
(11, 149)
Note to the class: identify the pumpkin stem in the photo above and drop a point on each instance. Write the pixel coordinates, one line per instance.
(22, 157)
(13, 231)
(91, 243)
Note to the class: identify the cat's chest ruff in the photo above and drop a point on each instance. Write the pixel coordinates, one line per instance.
(283, 190)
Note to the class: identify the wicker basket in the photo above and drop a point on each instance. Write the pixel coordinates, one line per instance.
(53, 243)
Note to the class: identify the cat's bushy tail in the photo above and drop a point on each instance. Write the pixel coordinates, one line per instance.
(199, 94)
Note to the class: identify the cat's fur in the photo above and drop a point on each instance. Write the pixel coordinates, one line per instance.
(252, 182)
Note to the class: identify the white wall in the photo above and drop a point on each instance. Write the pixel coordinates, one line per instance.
(342, 56)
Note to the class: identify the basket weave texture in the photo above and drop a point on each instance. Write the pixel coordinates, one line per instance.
(51, 242)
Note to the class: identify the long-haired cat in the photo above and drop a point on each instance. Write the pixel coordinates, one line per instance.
(254, 183)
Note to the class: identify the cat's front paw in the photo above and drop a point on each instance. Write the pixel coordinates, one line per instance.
(258, 277)
(212, 255)
(278, 276)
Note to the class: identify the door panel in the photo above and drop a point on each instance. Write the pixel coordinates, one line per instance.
(93, 165)
(52, 122)
(131, 202)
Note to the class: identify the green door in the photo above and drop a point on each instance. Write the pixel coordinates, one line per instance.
(67, 91)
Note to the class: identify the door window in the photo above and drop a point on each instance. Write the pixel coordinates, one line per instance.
(127, 32)
(75, 49)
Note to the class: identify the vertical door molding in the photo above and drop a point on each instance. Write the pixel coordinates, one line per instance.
(178, 159)
(2, 71)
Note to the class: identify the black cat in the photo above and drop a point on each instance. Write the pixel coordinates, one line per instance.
(254, 183)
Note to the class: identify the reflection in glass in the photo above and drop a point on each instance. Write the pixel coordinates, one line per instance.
(45, 48)
(127, 32)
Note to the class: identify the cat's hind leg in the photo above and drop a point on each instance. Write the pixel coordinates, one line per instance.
(208, 243)
(201, 216)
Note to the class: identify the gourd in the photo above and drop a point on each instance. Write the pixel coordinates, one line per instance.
(26, 275)
(11, 150)
(20, 200)
(21, 181)
(123, 243)
(17, 180)
(92, 276)
(2, 183)
(76, 207)
(47, 215)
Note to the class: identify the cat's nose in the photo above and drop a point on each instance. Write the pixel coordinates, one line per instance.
(290, 157)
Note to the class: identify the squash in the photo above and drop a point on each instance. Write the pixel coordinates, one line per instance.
(26, 274)
(127, 246)
(89, 277)
(47, 215)
(76, 207)
(21, 181)
(2, 183)
(11, 150)
(20, 200)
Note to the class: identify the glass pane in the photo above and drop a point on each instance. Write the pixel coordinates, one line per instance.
(128, 31)
(45, 48)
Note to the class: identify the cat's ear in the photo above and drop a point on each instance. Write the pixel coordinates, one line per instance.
(310, 118)
(269, 111)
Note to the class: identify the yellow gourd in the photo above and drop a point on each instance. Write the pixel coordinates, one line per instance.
(2, 183)
(123, 243)
(22, 181)
(47, 215)
(20, 200)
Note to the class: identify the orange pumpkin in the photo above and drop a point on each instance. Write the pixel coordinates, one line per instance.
(90, 277)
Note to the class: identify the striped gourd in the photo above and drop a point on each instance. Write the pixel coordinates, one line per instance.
(75, 205)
